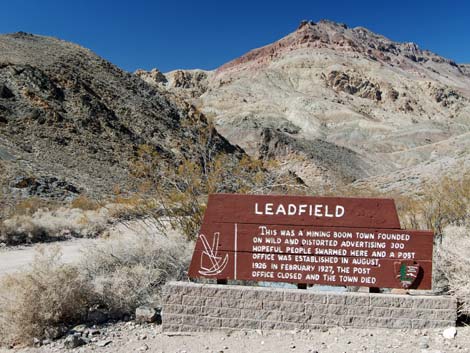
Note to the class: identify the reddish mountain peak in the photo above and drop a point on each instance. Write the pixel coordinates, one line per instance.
(307, 34)
(338, 37)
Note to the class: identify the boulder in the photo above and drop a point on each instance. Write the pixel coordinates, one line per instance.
(147, 314)
(73, 341)
(449, 332)
(5, 92)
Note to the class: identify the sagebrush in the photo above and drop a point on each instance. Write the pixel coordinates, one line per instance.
(453, 263)
(47, 296)
(129, 271)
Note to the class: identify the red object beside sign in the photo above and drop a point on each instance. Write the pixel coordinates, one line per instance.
(314, 240)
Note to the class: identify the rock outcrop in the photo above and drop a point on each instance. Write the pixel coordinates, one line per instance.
(71, 122)
(353, 84)
(187, 83)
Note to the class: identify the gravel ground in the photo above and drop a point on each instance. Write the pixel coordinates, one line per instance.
(130, 337)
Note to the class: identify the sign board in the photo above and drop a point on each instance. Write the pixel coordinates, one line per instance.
(311, 240)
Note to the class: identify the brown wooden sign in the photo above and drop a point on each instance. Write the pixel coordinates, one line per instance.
(314, 240)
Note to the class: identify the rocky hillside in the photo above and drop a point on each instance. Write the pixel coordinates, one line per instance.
(71, 122)
(340, 105)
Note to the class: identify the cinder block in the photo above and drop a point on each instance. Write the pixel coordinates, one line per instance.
(357, 299)
(336, 298)
(209, 291)
(193, 310)
(184, 287)
(282, 326)
(251, 304)
(352, 321)
(391, 300)
(261, 293)
(421, 324)
(334, 309)
(171, 319)
(400, 323)
(304, 296)
(173, 309)
(193, 301)
(316, 309)
(315, 320)
(200, 321)
(222, 312)
(271, 305)
(348, 310)
(440, 302)
(425, 314)
(356, 310)
(236, 323)
(333, 320)
(189, 328)
(386, 322)
(295, 317)
(171, 298)
(381, 312)
(309, 326)
(171, 328)
(213, 302)
(235, 303)
(229, 292)
(261, 315)
(292, 307)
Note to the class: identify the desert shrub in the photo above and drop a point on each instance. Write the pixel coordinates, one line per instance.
(130, 271)
(438, 205)
(447, 203)
(47, 225)
(85, 203)
(453, 264)
(29, 206)
(179, 191)
(434, 205)
(44, 298)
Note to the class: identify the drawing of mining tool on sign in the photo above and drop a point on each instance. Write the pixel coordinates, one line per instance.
(211, 264)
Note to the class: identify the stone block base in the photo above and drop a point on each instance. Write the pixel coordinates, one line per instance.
(205, 307)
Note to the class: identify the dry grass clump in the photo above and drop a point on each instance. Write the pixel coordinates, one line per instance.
(85, 203)
(129, 272)
(42, 299)
(29, 206)
(116, 276)
(453, 262)
(48, 225)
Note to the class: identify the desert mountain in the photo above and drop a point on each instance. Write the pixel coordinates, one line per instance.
(339, 105)
(71, 122)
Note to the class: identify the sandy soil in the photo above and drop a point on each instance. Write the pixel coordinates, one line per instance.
(131, 337)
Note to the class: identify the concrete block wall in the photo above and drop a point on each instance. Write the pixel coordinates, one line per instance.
(205, 307)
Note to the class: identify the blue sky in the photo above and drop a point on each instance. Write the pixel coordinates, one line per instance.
(185, 34)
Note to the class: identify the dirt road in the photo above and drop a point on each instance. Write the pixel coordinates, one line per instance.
(18, 258)
(12, 260)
